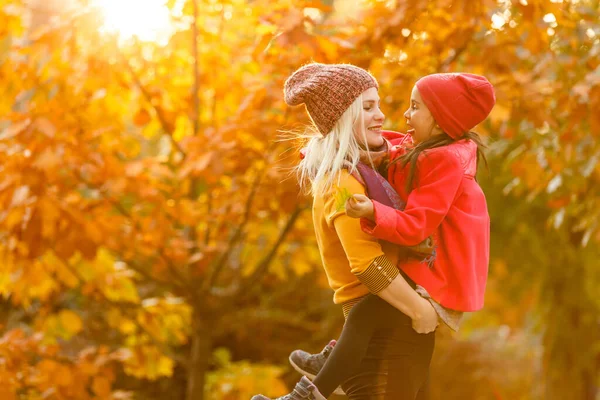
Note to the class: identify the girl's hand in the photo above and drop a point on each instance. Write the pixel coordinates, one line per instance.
(427, 319)
(360, 206)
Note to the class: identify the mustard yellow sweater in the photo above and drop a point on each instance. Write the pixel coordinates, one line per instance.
(355, 262)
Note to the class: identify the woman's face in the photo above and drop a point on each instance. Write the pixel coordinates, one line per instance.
(419, 118)
(372, 121)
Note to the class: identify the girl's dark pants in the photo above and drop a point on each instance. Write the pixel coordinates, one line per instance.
(378, 355)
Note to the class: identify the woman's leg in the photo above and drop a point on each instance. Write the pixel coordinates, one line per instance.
(424, 390)
(395, 367)
(408, 374)
(368, 316)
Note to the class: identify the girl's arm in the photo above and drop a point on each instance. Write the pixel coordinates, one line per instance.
(439, 176)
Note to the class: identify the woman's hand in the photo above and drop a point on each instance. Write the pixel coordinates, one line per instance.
(426, 320)
(360, 206)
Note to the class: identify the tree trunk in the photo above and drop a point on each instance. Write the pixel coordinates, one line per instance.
(589, 381)
(199, 357)
(571, 329)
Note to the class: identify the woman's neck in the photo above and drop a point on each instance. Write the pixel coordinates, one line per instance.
(376, 155)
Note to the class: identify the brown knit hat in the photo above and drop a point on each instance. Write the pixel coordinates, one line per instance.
(327, 90)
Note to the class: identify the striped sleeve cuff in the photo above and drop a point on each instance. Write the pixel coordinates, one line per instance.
(378, 275)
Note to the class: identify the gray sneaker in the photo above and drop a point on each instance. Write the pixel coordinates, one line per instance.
(304, 390)
(310, 364)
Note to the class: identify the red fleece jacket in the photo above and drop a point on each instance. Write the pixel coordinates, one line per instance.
(450, 205)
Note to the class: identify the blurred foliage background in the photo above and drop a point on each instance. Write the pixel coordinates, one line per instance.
(154, 245)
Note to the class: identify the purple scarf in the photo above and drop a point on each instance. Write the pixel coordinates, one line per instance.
(378, 188)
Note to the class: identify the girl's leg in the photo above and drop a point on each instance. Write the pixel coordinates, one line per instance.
(369, 315)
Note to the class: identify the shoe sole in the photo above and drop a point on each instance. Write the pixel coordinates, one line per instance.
(338, 390)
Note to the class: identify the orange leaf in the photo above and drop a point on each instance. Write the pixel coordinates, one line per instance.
(101, 386)
(45, 126)
(6, 394)
(142, 117)
(15, 129)
(20, 196)
(48, 160)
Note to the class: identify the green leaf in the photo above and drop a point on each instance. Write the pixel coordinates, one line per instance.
(341, 196)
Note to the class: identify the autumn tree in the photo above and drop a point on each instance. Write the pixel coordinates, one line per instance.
(147, 204)
(139, 195)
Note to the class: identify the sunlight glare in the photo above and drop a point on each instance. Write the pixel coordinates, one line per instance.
(148, 20)
(498, 21)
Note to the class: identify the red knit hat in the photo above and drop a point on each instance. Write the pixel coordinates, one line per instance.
(327, 90)
(457, 101)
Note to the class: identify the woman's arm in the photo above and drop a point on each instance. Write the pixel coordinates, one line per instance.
(381, 276)
(400, 295)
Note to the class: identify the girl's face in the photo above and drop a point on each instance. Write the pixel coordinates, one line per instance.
(372, 121)
(419, 118)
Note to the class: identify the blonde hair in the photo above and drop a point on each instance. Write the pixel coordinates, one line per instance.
(327, 155)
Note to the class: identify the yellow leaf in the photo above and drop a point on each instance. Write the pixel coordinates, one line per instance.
(127, 327)
(262, 45)
(70, 322)
(165, 366)
(500, 113)
(341, 196)
(120, 288)
(14, 218)
(183, 128)
(328, 48)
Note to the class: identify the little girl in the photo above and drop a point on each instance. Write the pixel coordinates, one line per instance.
(436, 179)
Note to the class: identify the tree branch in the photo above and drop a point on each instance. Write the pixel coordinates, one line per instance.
(179, 279)
(280, 318)
(222, 261)
(122, 305)
(443, 65)
(159, 113)
(264, 264)
(196, 86)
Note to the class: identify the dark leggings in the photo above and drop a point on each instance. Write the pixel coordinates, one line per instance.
(378, 355)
